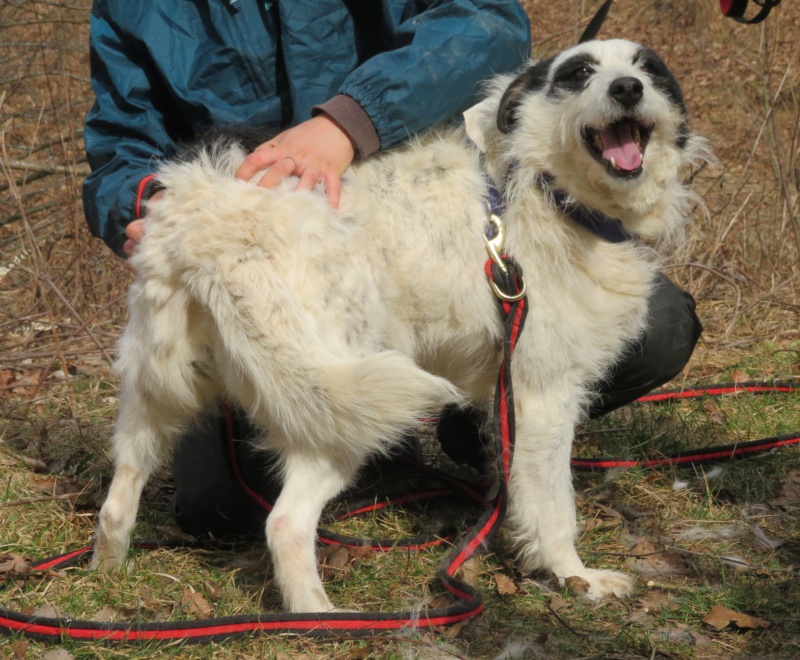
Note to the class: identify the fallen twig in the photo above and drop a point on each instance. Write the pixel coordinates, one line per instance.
(47, 169)
(42, 498)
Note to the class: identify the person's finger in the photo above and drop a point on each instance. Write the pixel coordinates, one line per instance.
(262, 158)
(309, 179)
(285, 167)
(135, 231)
(129, 247)
(333, 188)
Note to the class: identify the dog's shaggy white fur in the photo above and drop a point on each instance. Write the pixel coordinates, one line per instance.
(337, 330)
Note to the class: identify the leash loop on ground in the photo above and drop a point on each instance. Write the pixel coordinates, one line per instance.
(469, 602)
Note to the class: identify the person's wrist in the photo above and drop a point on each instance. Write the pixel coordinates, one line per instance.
(354, 121)
(347, 144)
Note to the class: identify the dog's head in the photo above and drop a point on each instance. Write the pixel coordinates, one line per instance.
(607, 120)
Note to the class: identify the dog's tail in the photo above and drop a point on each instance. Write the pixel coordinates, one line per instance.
(379, 397)
(276, 363)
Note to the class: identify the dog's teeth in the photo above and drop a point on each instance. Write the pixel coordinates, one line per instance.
(614, 163)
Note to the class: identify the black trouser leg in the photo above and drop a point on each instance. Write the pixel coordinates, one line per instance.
(657, 357)
(208, 498)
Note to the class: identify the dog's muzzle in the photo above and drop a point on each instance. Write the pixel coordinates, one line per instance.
(620, 146)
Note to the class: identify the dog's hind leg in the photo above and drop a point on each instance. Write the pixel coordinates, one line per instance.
(311, 479)
(165, 382)
(136, 445)
(542, 509)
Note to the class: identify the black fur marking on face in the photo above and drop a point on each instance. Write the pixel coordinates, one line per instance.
(660, 76)
(532, 80)
(573, 74)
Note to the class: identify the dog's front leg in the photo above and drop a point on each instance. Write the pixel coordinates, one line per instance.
(542, 508)
(309, 482)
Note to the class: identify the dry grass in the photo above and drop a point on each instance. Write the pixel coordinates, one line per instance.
(62, 307)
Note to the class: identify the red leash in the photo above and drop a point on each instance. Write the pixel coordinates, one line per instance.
(706, 454)
(469, 601)
(347, 624)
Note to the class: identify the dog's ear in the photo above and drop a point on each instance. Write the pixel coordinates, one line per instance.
(531, 80)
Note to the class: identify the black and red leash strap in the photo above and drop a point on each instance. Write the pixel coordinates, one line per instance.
(509, 286)
(703, 455)
(346, 624)
(468, 600)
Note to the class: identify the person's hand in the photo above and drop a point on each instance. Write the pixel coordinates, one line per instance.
(135, 233)
(315, 150)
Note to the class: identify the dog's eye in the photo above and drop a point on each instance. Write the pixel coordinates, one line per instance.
(648, 68)
(581, 73)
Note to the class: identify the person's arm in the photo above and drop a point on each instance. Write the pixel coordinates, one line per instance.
(433, 71)
(125, 134)
(441, 56)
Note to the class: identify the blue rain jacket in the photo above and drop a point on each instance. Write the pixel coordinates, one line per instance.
(166, 70)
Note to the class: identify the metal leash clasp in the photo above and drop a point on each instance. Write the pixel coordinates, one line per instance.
(494, 246)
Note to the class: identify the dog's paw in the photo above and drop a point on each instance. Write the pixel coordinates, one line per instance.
(307, 600)
(595, 583)
(106, 564)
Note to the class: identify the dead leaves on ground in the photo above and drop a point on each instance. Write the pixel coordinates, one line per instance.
(504, 584)
(644, 610)
(195, 604)
(335, 559)
(21, 383)
(53, 485)
(577, 585)
(13, 565)
(645, 558)
(18, 650)
(721, 617)
(788, 491)
(470, 570)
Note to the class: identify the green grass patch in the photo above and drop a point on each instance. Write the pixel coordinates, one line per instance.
(729, 538)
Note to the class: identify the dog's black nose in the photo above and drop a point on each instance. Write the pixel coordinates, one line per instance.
(628, 91)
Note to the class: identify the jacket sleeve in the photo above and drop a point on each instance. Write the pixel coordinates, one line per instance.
(125, 132)
(440, 57)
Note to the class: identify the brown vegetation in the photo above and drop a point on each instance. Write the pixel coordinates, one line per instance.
(61, 291)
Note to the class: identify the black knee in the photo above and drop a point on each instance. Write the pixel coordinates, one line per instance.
(659, 355)
(460, 432)
(209, 498)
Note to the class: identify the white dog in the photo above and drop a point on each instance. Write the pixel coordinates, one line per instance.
(337, 330)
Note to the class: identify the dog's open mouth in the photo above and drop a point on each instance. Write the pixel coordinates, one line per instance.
(620, 146)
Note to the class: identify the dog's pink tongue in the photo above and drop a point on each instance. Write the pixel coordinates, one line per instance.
(618, 144)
